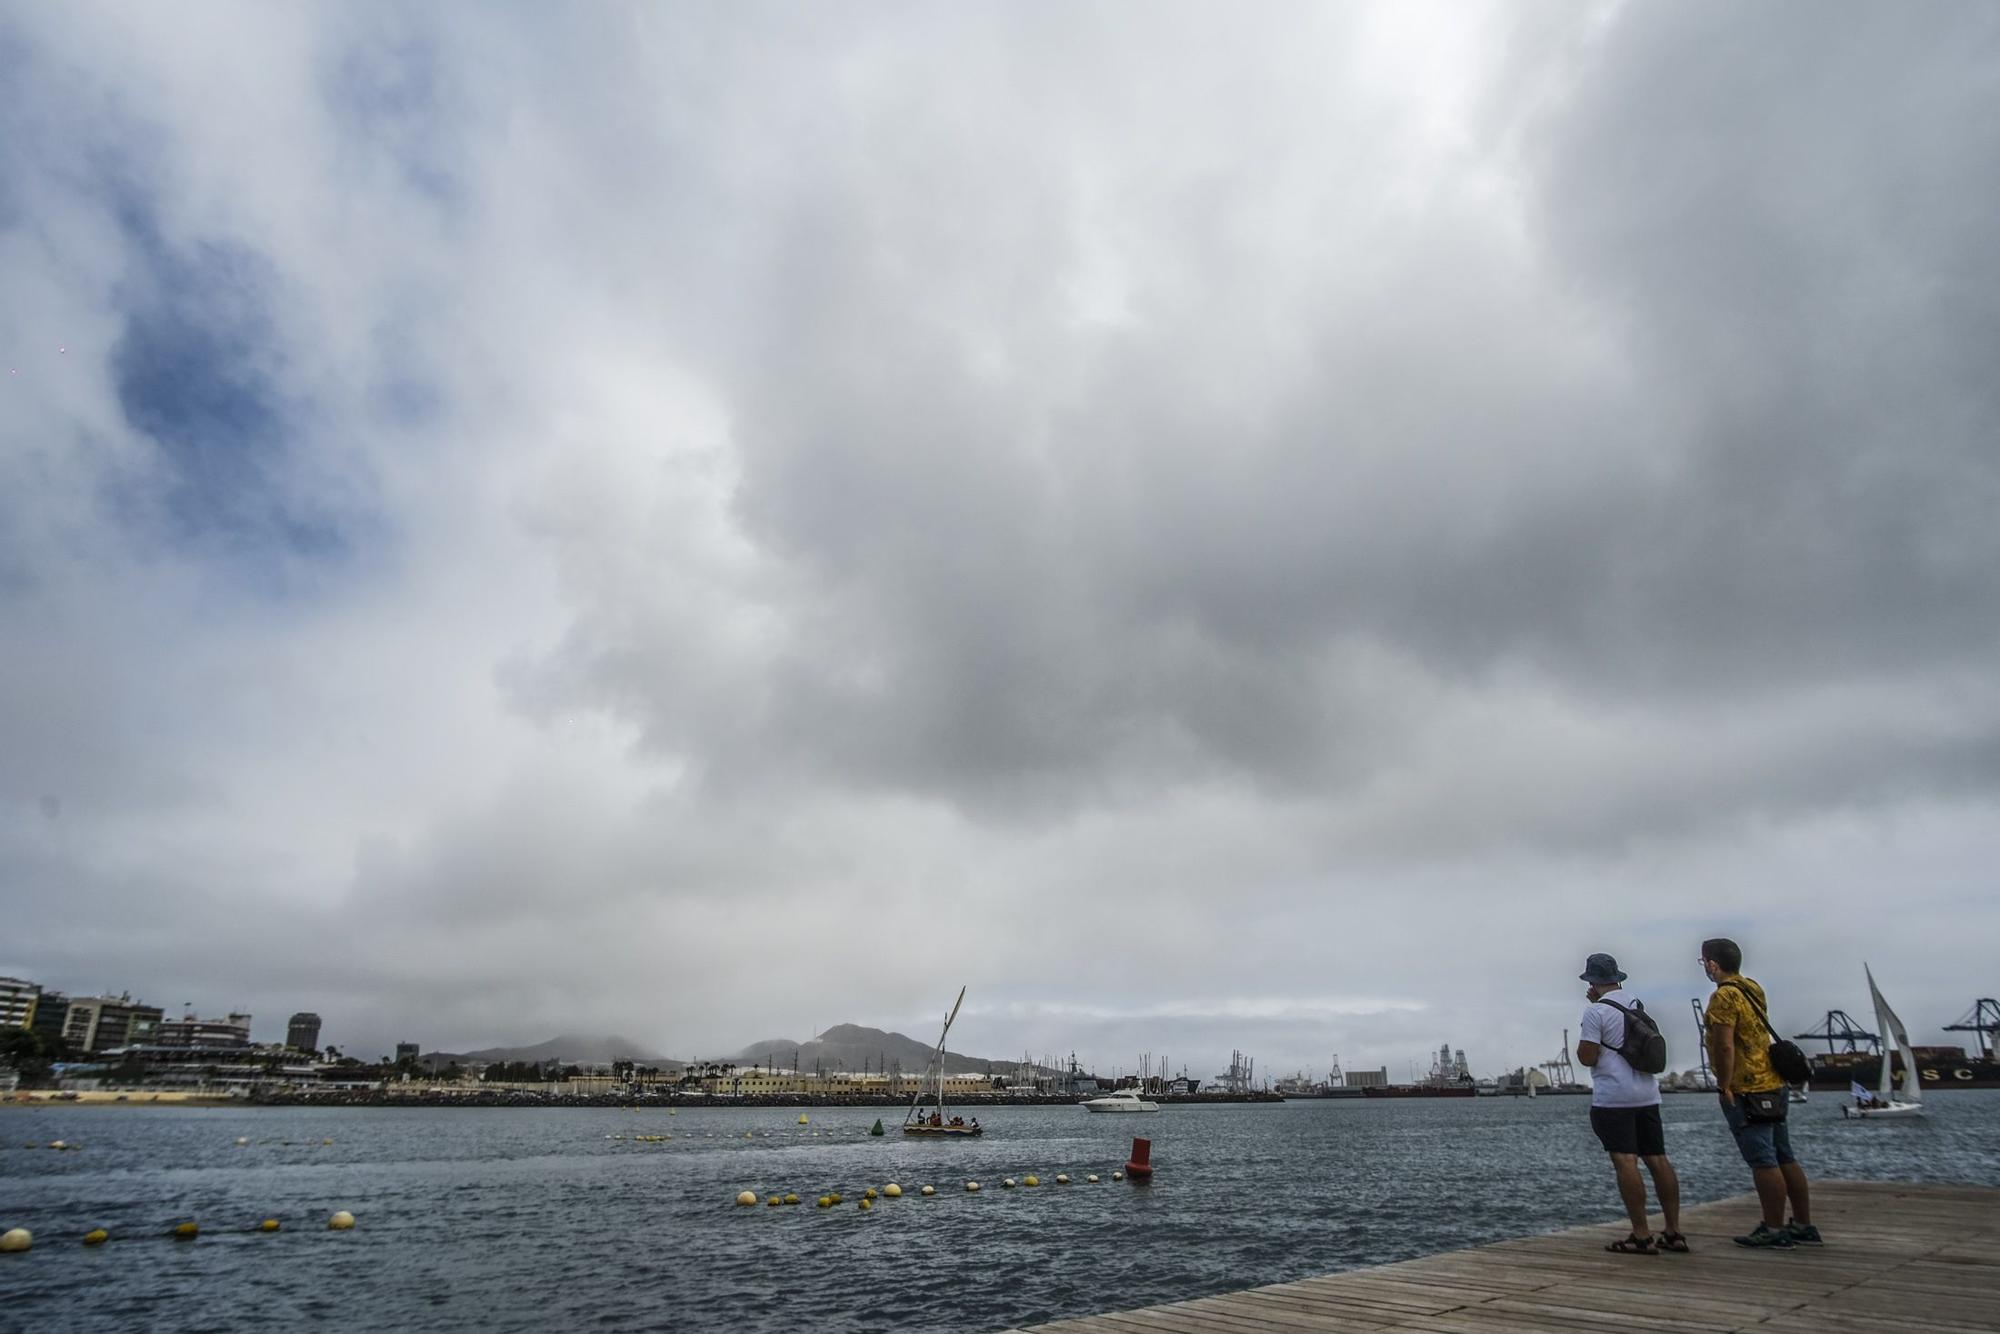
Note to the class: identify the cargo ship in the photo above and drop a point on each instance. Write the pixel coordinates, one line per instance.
(1450, 1077)
(1851, 1058)
(1937, 1067)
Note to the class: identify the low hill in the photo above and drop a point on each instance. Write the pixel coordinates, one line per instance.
(853, 1047)
(570, 1049)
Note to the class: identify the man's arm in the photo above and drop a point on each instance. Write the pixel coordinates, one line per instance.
(1586, 1053)
(1722, 1056)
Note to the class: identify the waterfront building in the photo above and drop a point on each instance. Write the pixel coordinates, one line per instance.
(302, 1032)
(188, 1031)
(406, 1051)
(840, 1083)
(100, 1023)
(17, 1002)
(51, 1014)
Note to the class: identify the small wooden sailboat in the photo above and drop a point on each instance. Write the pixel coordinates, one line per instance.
(936, 1120)
(1887, 1105)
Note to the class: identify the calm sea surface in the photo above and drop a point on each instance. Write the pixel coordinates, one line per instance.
(513, 1219)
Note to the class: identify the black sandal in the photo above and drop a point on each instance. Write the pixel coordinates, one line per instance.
(1675, 1242)
(1633, 1246)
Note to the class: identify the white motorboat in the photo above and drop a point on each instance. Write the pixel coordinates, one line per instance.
(1124, 1100)
(1901, 1103)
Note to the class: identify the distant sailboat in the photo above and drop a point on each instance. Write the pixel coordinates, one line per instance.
(1907, 1101)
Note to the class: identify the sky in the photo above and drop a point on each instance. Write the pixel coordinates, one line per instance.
(1279, 530)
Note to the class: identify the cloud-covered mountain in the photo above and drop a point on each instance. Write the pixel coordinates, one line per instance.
(854, 1048)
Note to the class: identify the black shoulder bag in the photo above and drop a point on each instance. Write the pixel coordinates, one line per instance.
(1786, 1058)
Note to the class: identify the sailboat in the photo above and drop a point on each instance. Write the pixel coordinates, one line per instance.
(1900, 1103)
(936, 1120)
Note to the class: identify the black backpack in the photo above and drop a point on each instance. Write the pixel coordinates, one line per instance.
(1645, 1046)
(1786, 1058)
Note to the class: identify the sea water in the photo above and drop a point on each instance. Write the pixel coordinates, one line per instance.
(484, 1219)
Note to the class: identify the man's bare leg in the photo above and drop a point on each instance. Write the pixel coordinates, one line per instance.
(1666, 1185)
(1632, 1190)
(1796, 1190)
(1771, 1194)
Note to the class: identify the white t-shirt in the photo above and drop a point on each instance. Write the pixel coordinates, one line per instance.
(1613, 1081)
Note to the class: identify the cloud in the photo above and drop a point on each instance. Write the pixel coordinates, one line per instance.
(1278, 535)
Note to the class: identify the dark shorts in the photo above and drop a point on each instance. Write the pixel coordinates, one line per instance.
(1630, 1130)
(1765, 1144)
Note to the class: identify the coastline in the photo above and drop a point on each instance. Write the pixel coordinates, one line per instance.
(478, 1097)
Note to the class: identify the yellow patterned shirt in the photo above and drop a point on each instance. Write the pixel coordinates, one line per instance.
(1753, 1073)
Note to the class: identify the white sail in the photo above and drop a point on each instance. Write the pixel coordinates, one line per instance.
(1892, 1028)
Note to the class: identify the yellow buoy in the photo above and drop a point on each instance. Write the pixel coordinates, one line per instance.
(186, 1231)
(16, 1239)
(972, 1187)
(791, 1199)
(340, 1222)
(1061, 1179)
(58, 1145)
(893, 1191)
(268, 1225)
(928, 1190)
(826, 1201)
(326, 1141)
(867, 1204)
(97, 1236)
(1031, 1181)
(775, 1201)
(868, 1194)
(802, 1119)
(746, 1197)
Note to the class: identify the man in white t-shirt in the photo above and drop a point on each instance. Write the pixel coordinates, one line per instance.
(1625, 1112)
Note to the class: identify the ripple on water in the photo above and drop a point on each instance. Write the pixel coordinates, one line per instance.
(484, 1219)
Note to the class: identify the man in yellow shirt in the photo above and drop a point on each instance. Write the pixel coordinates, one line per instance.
(1739, 1042)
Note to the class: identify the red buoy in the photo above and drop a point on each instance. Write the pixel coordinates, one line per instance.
(1141, 1166)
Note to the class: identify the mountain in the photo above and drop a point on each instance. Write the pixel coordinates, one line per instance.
(570, 1049)
(852, 1047)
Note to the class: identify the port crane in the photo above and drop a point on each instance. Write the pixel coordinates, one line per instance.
(1983, 1019)
(1561, 1073)
(1701, 1043)
(1840, 1033)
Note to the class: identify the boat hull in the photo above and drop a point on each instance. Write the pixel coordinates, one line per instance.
(945, 1132)
(1121, 1111)
(1834, 1075)
(1897, 1111)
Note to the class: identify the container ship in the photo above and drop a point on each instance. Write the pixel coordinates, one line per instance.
(1937, 1068)
(1852, 1057)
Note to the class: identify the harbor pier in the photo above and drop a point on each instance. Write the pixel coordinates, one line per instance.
(1898, 1258)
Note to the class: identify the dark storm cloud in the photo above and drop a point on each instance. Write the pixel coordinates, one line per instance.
(1216, 533)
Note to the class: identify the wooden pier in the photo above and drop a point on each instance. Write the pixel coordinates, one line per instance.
(1897, 1258)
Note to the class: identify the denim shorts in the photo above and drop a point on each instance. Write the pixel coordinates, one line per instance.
(1764, 1144)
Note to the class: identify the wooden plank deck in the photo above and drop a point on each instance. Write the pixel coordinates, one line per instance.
(1897, 1259)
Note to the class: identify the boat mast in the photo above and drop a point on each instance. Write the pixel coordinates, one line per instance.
(938, 1056)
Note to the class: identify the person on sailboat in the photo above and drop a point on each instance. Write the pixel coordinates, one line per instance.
(1738, 1028)
(1625, 1110)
